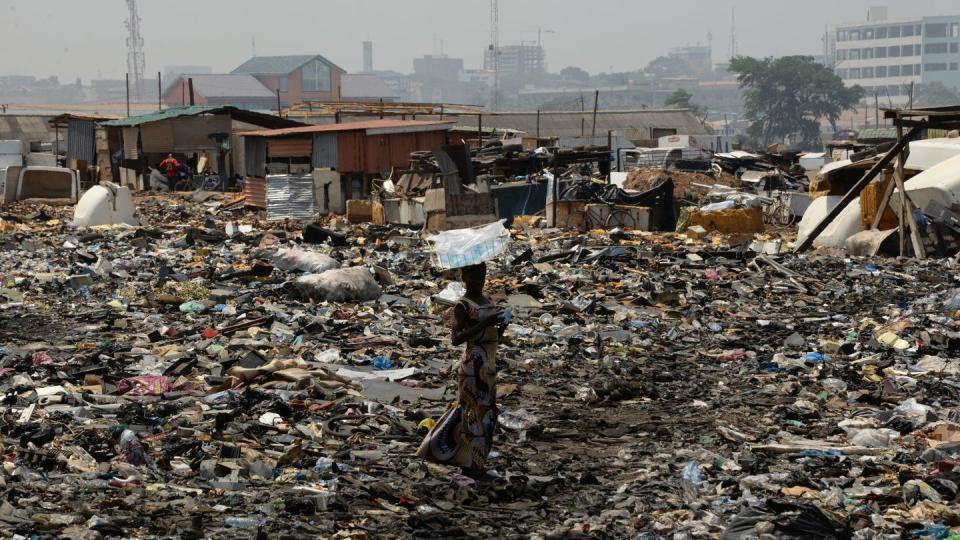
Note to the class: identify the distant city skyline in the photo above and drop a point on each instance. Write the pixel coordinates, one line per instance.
(74, 39)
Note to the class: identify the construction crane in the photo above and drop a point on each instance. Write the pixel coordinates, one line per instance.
(136, 63)
(495, 52)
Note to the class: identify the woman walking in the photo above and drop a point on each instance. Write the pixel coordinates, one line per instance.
(464, 434)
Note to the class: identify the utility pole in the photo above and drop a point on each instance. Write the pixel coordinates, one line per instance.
(495, 52)
(876, 108)
(596, 104)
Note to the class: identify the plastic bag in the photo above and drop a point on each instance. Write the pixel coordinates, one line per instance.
(354, 284)
(465, 247)
(305, 261)
(145, 385)
(718, 206)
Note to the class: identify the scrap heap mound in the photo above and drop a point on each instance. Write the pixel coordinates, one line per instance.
(644, 179)
(165, 381)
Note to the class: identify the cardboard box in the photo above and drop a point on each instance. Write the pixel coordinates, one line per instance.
(570, 215)
(732, 221)
(359, 211)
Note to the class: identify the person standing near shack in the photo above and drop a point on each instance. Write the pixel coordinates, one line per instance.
(464, 434)
(170, 167)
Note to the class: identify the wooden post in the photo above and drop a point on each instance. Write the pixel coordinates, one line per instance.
(159, 93)
(128, 95)
(381, 108)
(538, 127)
(479, 131)
(906, 205)
(610, 149)
(190, 89)
(279, 110)
(884, 201)
(596, 104)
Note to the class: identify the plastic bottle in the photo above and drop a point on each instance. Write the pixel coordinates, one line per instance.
(691, 473)
(517, 420)
(192, 306)
(244, 523)
(381, 363)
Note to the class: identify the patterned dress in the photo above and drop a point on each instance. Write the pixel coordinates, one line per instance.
(464, 434)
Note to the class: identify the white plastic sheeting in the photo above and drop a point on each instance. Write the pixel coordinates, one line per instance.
(940, 183)
(835, 235)
(105, 204)
(465, 247)
(928, 153)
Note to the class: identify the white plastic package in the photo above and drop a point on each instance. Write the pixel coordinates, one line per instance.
(465, 247)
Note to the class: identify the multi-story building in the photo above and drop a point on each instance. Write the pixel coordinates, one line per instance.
(885, 56)
(434, 67)
(517, 60)
(698, 58)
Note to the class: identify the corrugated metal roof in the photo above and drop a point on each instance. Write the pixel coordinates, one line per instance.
(364, 85)
(23, 127)
(173, 112)
(229, 85)
(249, 117)
(568, 123)
(370, 126)
(279, 65)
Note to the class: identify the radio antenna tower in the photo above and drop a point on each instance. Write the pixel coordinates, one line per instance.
(733, 34)
(495, 52)
(136, 63)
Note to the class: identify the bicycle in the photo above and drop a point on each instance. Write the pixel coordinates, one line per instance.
(778, 212)
(197, 182)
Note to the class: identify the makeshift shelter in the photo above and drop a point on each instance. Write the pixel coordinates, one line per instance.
(344, 158)
(932, 198)
(187, 132)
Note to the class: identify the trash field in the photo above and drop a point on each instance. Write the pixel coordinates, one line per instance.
(208, 374)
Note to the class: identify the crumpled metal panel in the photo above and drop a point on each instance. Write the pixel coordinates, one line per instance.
(290, 197)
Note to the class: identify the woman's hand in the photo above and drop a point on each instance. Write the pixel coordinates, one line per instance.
(490, 320)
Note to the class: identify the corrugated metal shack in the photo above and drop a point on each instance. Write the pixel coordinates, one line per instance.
(186, 132)
(358, 152)
(86, 143)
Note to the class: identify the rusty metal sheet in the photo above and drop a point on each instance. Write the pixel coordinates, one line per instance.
(255, 190)
(294, 147)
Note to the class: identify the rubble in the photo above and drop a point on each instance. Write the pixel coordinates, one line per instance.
(165, 380)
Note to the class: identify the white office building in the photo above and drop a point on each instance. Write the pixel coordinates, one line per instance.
(885, 56)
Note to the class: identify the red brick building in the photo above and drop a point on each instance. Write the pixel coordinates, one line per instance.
(298, 78)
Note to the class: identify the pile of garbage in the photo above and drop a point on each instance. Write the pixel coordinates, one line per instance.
(209, 374)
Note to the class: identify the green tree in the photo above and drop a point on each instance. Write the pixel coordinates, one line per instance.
(935, 94)
(680, 99)
(668, 66)
(574, 73)
(788, 97)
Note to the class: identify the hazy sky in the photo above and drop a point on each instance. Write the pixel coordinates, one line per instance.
(74, 38)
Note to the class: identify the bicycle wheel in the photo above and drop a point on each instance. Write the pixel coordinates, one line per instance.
(211, 183)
